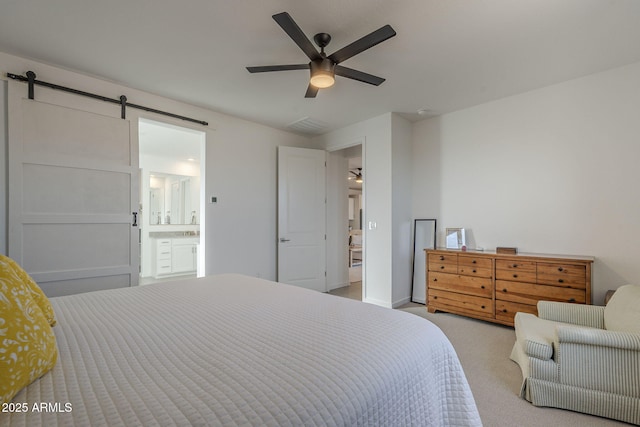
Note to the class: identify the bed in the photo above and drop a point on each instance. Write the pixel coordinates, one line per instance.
(236, 350)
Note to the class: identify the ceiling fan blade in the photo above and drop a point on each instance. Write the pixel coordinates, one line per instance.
(360, 45)
(291, 28)
(350, 73)
(312, 91)
(266, 68)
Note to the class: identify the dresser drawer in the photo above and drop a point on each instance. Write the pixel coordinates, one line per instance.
(479, 286)
(529, 293)
(516, 265)
(567, 275)
(474, 261)
(517, 275)
(460, 303)
(506, 310)
(443, 268)
(475, 271)
(443, 258)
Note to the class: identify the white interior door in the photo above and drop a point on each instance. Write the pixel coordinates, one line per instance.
(301, 217)
(73, 191)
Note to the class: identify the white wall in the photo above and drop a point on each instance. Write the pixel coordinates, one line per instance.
(242, 173)
(386, 155)
(554, 170)
(240, 169)
(401, 179)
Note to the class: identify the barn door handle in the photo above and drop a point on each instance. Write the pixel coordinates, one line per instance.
(135, 219)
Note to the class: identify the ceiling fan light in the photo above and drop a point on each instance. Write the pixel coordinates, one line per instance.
(322, 73)
(322, 81)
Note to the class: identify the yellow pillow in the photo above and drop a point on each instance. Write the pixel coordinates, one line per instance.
(27, 343)
(36, 293)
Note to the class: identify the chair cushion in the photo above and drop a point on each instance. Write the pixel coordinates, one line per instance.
(622, 313)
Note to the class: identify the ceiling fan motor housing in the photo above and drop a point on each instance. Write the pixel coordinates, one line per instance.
(322, 72)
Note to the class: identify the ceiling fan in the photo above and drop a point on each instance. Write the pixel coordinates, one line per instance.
(356, 175)
(324, 68)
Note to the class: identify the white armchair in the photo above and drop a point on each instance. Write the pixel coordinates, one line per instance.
(581, 357)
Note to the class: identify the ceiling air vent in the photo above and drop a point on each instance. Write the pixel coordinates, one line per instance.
(308, 126)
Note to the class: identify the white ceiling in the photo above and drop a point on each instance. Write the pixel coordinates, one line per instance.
(447, 55)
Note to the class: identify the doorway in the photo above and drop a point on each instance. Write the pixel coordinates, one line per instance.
(171, 202)
(348, 184)
(355, 179)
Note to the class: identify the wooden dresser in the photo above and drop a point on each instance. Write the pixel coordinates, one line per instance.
(493, 287)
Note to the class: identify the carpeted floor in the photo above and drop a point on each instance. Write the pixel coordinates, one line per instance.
(483, 349)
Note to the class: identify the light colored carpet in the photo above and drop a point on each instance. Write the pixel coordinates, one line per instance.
(483, 349)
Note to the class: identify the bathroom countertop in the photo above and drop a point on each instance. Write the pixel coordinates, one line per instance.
(173, 234)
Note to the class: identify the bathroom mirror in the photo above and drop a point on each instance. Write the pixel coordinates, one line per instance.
(171, 199)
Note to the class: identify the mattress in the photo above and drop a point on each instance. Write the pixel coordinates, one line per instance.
(233, 350)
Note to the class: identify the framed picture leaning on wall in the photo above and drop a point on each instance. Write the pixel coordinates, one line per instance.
(454, 238)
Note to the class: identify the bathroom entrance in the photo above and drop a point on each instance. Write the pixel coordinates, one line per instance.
(171, 202)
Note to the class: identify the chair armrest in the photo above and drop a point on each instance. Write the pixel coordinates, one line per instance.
(598, 337)
(577, 314)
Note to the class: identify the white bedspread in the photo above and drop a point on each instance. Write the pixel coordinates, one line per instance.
(234, 350)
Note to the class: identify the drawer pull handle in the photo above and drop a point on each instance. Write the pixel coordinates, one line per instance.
(504, 290)
(442, 267)
(435, 280)
(515, 276)
(572, 300)
(473, 270)
(560, 269)
(441, 258)
(504, 310)
(515, 265)
(483, 307)
(435, 297)
(473, 262)
(482, 287)
(560, 280)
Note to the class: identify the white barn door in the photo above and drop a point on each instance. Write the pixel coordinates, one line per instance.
(302, 217)
(73, 192)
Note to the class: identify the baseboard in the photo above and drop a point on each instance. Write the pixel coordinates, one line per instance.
(377, 302)
(401, 302)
